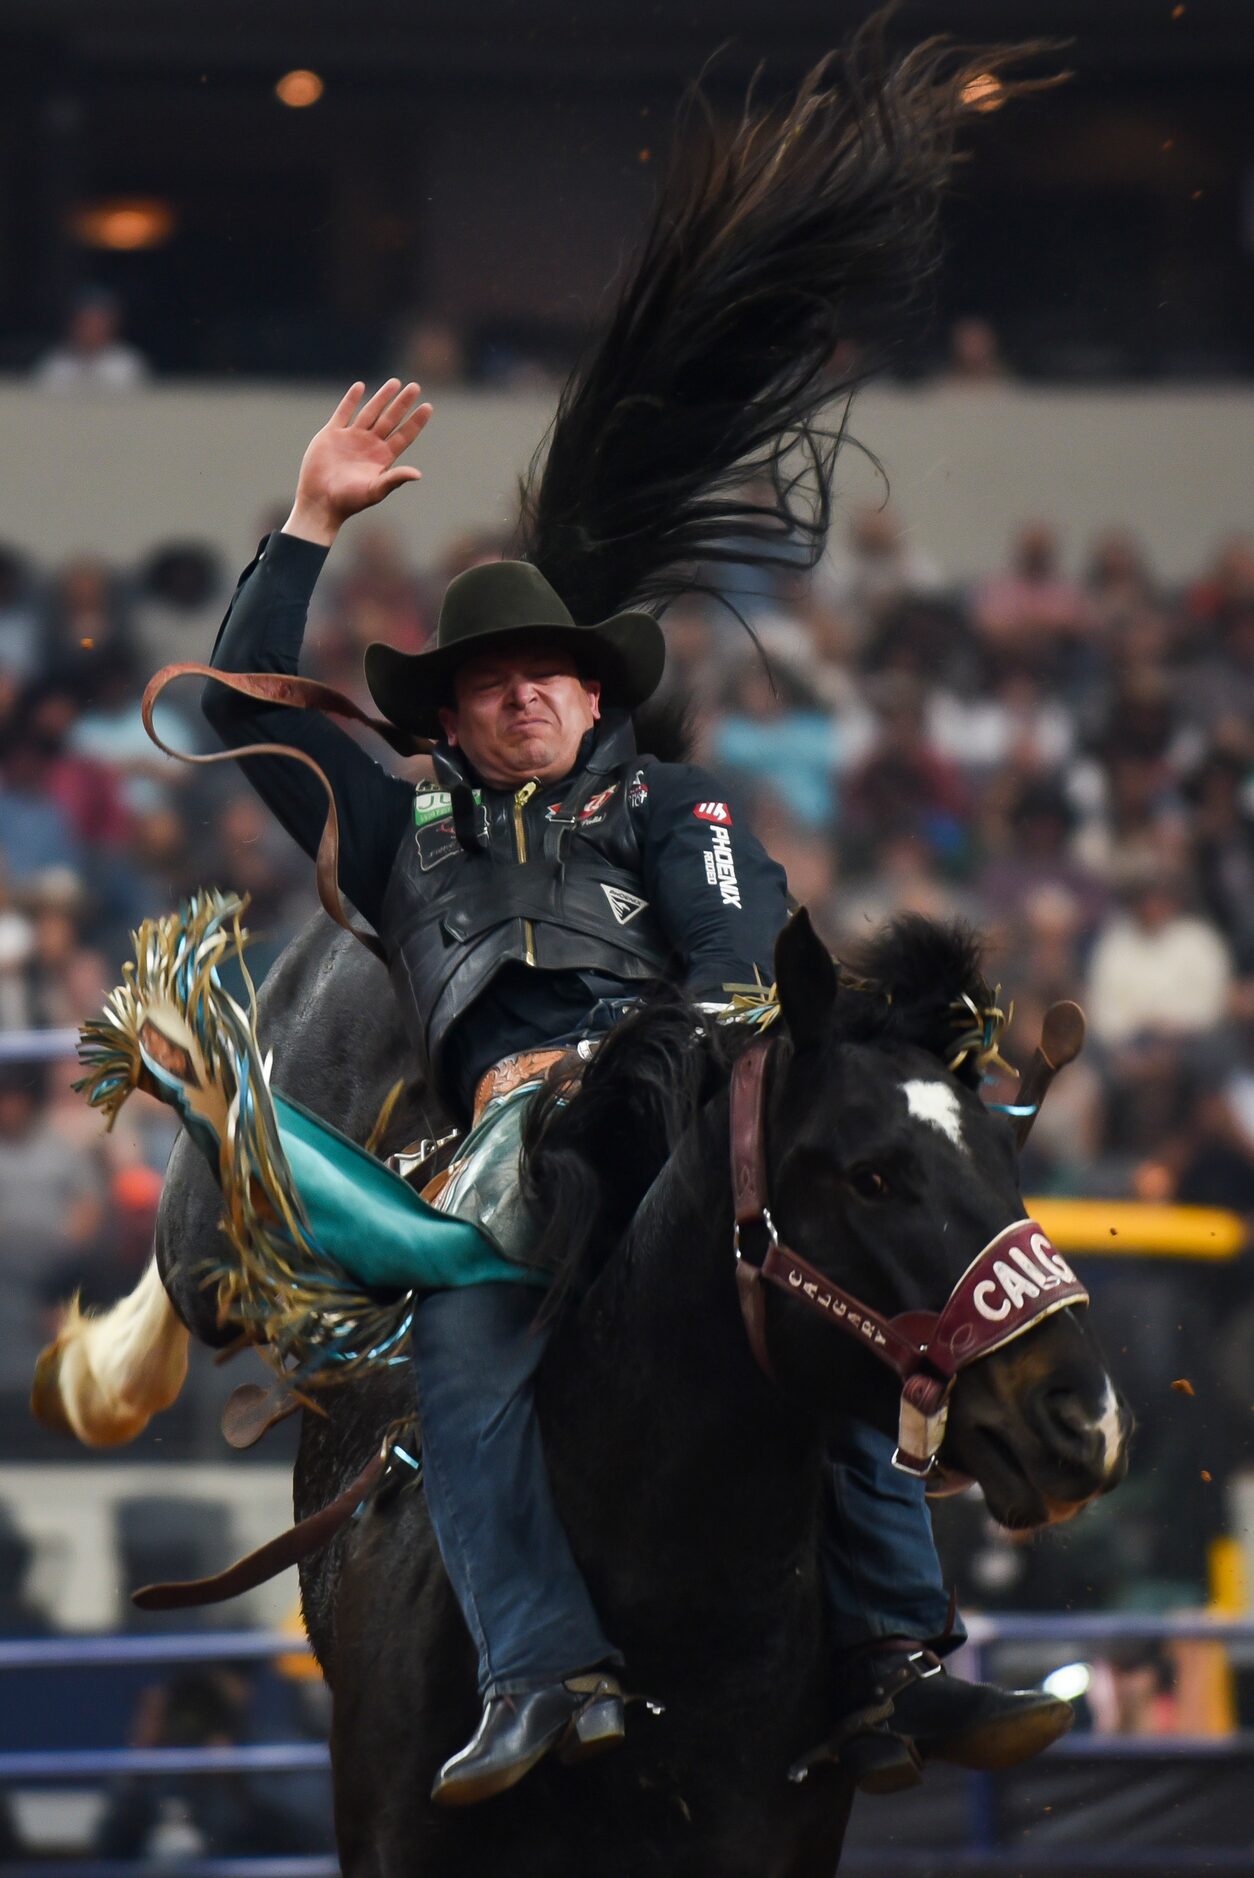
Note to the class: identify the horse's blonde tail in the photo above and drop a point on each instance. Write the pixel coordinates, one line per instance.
(104, 1376)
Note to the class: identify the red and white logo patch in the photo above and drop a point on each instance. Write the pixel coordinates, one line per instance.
(714, 812)
(596, 802)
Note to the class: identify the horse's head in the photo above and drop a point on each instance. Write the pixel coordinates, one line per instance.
(889, 1174)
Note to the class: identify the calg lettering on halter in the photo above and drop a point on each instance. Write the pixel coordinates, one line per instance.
(1041, 1269)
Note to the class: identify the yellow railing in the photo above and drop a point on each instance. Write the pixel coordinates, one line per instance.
(1139, 1229)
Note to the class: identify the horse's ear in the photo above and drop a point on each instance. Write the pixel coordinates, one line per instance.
(805, 978)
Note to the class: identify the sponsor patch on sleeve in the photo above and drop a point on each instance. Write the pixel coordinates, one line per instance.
(720, 867)
(714, 812)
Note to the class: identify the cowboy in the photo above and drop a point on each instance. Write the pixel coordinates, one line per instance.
(523, 901)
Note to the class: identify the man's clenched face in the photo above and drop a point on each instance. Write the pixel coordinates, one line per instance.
(521, 713)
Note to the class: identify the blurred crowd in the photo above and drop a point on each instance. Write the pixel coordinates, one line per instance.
(1065, 761)
(1060, 752)
(93, 353)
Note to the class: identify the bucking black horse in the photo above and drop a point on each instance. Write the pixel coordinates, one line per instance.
(689, 1481)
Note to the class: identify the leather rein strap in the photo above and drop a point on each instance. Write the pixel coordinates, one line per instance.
(1015, 1282)
(306, 694)
(268, 1560)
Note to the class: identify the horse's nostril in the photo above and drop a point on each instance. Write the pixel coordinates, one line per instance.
(1062, 1419)
(1066, 1409)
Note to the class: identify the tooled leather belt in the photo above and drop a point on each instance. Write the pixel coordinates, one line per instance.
(511, 1072)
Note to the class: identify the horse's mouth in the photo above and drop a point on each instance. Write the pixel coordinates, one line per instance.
(1015, 1497)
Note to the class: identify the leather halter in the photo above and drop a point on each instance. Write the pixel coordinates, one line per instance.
(1015, 1282)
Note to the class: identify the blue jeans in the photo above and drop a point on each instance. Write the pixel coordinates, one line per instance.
(880, 1569)
(504, 1548)
(522, 1595)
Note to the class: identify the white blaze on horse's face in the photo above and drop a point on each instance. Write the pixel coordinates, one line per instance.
(936, 1104)
(1110, 1427)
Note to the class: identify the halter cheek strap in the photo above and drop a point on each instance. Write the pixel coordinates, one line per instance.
(1016, 1281)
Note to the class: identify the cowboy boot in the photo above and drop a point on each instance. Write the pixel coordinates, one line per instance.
(579, 1717)
(909, 1710)
(977, 1725)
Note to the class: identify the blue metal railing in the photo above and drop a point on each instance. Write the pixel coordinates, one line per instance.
(202, 1646)
(214, 1646)
(1178, 1863)
(981, 1852)
(286, 1865)
(37, 1046)
(30, 1765)
(1103, 1626)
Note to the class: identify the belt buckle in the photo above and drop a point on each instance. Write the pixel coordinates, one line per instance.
(407, 1161)
(920, 1656)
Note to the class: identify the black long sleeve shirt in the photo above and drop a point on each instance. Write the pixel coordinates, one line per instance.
(719, 898)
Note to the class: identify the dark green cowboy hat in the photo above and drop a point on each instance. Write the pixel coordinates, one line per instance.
(488, 606)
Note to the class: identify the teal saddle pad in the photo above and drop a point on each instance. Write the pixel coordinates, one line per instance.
(374, 1224)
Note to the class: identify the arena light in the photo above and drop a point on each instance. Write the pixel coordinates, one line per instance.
(125, 224)
(1069, 1682)
(984, 92)
(299, 89)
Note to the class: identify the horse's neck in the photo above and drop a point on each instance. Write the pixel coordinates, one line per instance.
(651, 1392)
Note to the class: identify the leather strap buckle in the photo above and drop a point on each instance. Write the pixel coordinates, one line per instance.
(934, 1666)
(772, 1233)
(407, 1161)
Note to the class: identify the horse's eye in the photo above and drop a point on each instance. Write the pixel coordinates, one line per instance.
(868, 1183)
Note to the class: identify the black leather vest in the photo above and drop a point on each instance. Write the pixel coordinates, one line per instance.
(549, 876)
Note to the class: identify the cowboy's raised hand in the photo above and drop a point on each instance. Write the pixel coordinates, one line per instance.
(351, 463)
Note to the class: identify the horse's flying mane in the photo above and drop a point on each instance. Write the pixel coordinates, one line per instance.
(666, 1059)
(782, 263)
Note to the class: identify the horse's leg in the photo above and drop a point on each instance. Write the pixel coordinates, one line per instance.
(821, 1858)
(105, 1376)
(402, 1671)
(358, 1850)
